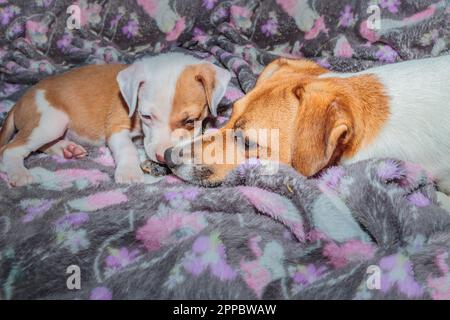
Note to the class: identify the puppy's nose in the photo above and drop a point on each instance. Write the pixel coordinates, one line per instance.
(160, 158)
(168, 158)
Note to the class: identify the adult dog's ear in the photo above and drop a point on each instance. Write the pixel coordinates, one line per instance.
(300, 66)
(215, 82)
(324, 131)
(130, 80)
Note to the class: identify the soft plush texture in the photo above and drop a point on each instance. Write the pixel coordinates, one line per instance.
(275, 236)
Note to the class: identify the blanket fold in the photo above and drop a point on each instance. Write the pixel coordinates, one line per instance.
(371, 230)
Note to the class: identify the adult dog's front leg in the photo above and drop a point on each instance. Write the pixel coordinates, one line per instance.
(126, 157)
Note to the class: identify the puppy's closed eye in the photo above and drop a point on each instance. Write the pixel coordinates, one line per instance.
(147, 117)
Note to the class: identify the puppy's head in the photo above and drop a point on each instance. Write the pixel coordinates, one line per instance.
(171, 93)
(291, 116)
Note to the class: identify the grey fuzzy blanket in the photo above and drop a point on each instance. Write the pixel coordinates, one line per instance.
(372, 230)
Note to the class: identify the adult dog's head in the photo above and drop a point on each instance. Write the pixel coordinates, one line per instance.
(292, 116)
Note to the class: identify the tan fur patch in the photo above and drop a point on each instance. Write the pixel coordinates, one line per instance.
(91, 97)
(26, 118)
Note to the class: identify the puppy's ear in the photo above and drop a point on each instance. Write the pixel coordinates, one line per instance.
(215, 82)
(130, 81)
(300, 66)
(323, 133)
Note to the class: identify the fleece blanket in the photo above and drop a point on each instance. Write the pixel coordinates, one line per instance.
(372, 230)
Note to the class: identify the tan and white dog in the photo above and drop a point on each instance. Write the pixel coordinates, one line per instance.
(323, 118)
(111, 104)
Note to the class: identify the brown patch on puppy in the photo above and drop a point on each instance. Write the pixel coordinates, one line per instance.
(24, 117)
(193, 93)
(100, 110)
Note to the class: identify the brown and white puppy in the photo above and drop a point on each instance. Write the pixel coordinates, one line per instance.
(111, 104)
(322, 118)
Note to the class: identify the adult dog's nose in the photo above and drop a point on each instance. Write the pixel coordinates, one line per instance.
(168, 158)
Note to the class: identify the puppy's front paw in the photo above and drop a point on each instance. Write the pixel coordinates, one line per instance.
(129, 175)
(20, 179)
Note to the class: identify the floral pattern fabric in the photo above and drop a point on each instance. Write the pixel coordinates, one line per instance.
(256, 236)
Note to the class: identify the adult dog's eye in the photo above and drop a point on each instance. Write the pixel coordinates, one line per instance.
(189, 123)
(249, 144)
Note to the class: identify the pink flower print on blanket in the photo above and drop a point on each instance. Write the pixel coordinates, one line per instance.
(8, 13)
(304, 275)
(241, 17)
(101, 293)
(167, 19)
(301, 12)
(270, 27)
(439, 287)
(35, 208)
(397, 273)
(267, 267)
(208, 253)
(391, 5)
(386, 54)
(343, 48)
(330, 180)
(149, 6)
(276, 207)
(98, 201)
(187, 194)
(44, 3)
(209, 4)
(68, 178)
(171, 228)
(36, 32)
(105, 157)
(69, 233)
(90, 12)
(347, 18)
(351, 251)
(318, 28)
(119, 258)
(177, 30)
(71, 221)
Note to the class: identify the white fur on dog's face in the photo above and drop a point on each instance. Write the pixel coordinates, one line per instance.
(168, 89)
(155, 101)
